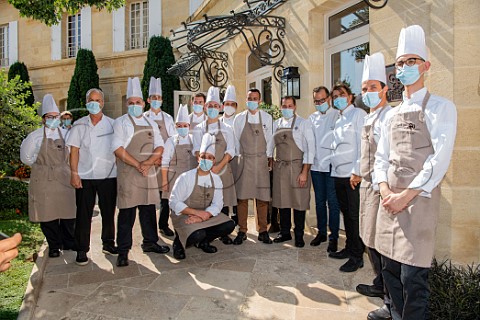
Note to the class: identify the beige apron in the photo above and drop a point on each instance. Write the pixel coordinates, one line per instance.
(369, 198)
(200, 199)
(133, 188)
(229, 193)
(253, 177)
(50, 195)
(286, 168)
(409, 236)
(234, 161)
(194, 124)
(182, 161)
(164, 134)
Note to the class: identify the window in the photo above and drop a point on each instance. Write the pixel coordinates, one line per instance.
(347, 20)
(139, 25)
(74, 24)
(3, 45)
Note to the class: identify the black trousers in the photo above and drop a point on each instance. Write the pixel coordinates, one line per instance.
(59, 233)
(376, 260)
(349, 201)
(164, 213)
(408, 289)
(234, 217)
(106, 189)
(286, 221)
(126, 220)
(207, 234)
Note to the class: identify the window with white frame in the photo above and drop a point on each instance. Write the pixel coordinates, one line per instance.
(74, 37)
(4, 45)
(347, 31)
(139, 25)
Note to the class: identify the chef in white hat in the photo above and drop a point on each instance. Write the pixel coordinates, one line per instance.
(196, 201)
(198, 105)
(54, 207)
(167, 129)
(225, 148)
(374, 96)
(413, 155)
(229, 106)
(137, 144)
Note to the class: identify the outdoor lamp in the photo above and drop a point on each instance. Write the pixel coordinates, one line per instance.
(291, 82)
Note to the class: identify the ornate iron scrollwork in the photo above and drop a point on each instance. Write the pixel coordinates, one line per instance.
(376, 4)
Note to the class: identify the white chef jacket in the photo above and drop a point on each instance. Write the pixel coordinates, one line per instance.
(96, 159)
(162, 115)
(346, 145)
(322, 126)
(267, 124)
(170, 144)
(31, 145)
(227, 132)
(197, 119)
(302, 135)
(441, 119)
(123, 131)
(228, 121)
(183, 188)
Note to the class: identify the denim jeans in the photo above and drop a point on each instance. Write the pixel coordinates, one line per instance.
(324, 188)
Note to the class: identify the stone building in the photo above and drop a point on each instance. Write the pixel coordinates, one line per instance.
(324, 39)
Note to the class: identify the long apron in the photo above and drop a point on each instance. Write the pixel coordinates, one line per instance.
(409, 236)
(252, 176)
(163, 132)
(286, 168)
(229, 193)
(182, 161)
(194, 124)
(134, 189)
(200, 199)
(369, 198)
(50, 195)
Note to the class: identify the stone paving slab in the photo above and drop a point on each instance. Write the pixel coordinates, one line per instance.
(250, 281)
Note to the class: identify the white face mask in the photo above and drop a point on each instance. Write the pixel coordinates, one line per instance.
(229, 110)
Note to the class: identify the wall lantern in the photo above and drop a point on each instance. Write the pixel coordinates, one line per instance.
(291, 82)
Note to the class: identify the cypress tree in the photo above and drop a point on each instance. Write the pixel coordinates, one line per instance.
(20, 69)
(159, 58)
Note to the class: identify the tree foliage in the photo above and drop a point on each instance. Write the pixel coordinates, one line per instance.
(85, 77)
(159, 58)
(17, 119)
(50, 11)
(20, 69)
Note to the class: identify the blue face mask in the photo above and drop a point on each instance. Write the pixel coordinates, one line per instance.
(212, 113)
(67, 122)
(182, 131)
(135, 110)
(252, 105)
(408, 75)
(340, 103)
(287, 113)
(52, 123)
(322, 107)
(206, 164)
(197, 108)
(156, 104)
(371, 99)
(93, 107)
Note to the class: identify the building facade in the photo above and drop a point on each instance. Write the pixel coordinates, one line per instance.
(324, 39)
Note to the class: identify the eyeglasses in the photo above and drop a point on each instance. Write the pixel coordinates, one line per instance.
(52, 117)
(321, 101)
(409, 62)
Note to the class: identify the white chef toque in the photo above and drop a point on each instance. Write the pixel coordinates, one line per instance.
(374, 68)
(182, 114)
(133, 88)
(155, 87)
(412, 41)
(230, 94)
(49, 105)
(208, 144)
(213, 95)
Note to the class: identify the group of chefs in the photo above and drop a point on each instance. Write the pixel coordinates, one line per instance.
(382, 170)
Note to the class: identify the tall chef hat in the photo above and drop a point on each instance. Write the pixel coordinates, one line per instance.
(374, 68)
(230, 94)
(213, 95)
(155, 87)
(208, 144)
(412, 41)
(182, 114)
(133, 88)
(49, 105)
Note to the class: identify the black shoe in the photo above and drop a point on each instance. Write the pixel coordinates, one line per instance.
(318, 239)
(282, 238)
(342, 254)
(122, 260)
(353, 264)
(54, 253)
(265, 237)
(82, 258)
(109, 249)
(226, 240)
(241, 236)
(206, 247)
(274, 228)
(370, 291)
(332, 245)
(380, 314)
(299, 243)
(167, 231)
(178, 252)
(154, 247)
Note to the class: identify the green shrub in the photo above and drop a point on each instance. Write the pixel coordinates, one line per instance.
(20, 69)
(85, 77)
(455, 291)
(272, 110)
(13, 198)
